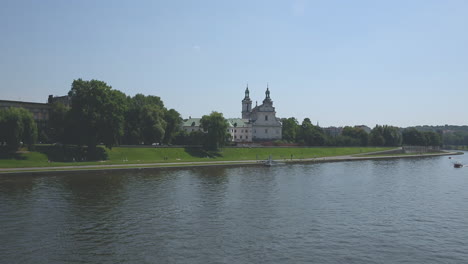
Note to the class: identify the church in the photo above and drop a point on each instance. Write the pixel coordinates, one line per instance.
(260, 122)
(257, 124)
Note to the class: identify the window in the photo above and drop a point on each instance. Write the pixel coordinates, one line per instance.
(266, 118)
(241, 137)
(266, 131)
(235, 137)
(235, 130)
(246, 137)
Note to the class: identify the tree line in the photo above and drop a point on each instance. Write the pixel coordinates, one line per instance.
(311, 135)
(99, 114)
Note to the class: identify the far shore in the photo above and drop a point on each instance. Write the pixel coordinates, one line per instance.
(225, 163)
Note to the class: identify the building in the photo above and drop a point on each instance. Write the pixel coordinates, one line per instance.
(40, 111)
(240, 130)
(257, 124)
(262, 118)
(191, 125)
(65, 100)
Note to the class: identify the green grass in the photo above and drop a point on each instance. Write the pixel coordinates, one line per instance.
(120, 155)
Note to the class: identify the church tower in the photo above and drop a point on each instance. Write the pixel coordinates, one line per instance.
(246, 105)
(267, 100)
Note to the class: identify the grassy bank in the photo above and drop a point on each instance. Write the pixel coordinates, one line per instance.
(121, 155)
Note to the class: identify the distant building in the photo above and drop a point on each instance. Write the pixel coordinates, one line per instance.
(265, 125)
(333, 131)
(65, 100)
(257, 124)
(191, 125)
(40, 111)
(240, 130)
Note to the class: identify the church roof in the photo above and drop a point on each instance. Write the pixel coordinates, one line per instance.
(237, 122)
(192, 122)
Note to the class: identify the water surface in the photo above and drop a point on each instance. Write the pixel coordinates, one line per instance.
(388, 211)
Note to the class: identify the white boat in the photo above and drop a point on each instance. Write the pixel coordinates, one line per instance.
(269, 162)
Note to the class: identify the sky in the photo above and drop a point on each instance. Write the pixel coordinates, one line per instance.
(400, 63)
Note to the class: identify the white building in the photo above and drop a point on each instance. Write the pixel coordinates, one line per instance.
(265, 125)
(257, 124)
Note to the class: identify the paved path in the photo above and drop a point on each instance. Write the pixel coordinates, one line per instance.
(212, 163)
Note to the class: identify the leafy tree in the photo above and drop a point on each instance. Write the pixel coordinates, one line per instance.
(173, 122)
(356, 133)
(392, 136)
(432, 138)
(376, 137)
(385, 136)
(411, 136)
(311, 135)
(57, 122)
(152, 124)
(148, 121)
(215, 125)
(97, 112)
(290, 129)
(17, 126)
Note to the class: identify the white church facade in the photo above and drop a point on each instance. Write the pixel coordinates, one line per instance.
(257, 124)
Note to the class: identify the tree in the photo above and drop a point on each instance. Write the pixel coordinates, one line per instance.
(356, 133)
(311, 135)
(290, 129)
(376, 137)
(97, 112)
(385, 136)
(17, 126)
(148, 121)
(216, 126)
(432, 138)
(152, 124)
(173, 122)
(411, 136)
(57, 122)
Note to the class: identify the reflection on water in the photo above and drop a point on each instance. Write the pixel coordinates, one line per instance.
(387, 211)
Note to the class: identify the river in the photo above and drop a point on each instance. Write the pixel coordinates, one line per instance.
(381, 211)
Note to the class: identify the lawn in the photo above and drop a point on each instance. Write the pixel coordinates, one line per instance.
(137, 155)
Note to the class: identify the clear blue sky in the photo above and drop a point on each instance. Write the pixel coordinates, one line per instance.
(340, 63)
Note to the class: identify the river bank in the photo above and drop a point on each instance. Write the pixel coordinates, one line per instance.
(158, 165)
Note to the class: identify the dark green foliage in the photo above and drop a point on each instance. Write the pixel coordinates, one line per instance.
(385, 136)
(290, 129)
(97, 112)
(412, 136)
(311, 135)
(58, 121)
(17, 127)
(357, 136)
(68, 153)
(173, 122)
(215, 125)
(147, 121)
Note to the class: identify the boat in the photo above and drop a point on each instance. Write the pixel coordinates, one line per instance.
(457, 165)
(269, 162)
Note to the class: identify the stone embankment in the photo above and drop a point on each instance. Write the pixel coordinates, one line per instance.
(368, 156)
